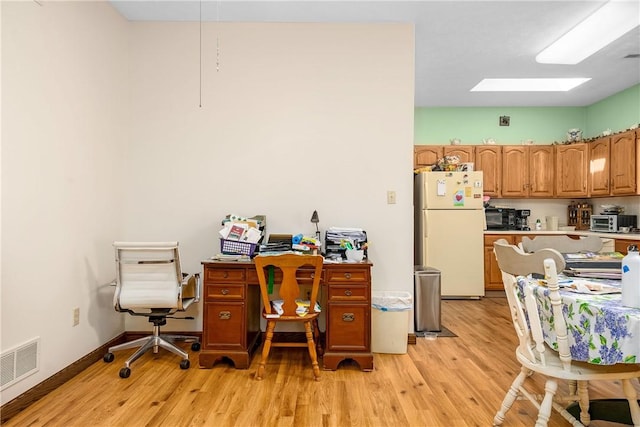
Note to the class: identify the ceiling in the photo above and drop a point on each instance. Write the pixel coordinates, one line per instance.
(458, 43)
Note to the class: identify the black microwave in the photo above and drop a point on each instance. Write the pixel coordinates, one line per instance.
(500, 218)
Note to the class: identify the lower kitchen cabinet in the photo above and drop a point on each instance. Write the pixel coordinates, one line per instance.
(492, 273)
(621, 245)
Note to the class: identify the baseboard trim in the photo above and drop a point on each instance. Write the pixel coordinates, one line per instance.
(40, 390)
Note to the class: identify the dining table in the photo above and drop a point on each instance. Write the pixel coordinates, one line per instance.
(601, 330)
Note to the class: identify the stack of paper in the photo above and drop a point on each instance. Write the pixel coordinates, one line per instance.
(607, 265)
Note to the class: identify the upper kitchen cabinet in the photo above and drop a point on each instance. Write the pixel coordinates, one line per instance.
(613, 165)
(599, 167)
(426, 155)
(571, 170)
(624, 163)
(464, 152)
(488, 159)
(527, 171)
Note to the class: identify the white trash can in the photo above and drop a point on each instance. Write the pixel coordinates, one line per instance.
(390, 321)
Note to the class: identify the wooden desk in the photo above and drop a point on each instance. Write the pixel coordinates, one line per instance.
(231, 325)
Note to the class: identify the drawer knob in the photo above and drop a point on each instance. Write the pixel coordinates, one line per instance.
(225, 274)
(313, 275)
(224, 315)
(347, 275)
(348, 317)
(224, 291)
(348, 292)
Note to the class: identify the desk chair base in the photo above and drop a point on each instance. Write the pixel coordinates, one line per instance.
(153, 342)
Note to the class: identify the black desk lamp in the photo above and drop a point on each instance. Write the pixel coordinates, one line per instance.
(316, 220)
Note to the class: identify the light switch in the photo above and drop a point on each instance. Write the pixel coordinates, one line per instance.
(391, 197)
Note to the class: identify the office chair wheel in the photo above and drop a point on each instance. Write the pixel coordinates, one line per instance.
(184, 364)
(195, 346)
(125, 372)
(108, 357)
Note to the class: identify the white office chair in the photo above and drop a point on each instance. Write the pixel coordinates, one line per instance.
(150, 283)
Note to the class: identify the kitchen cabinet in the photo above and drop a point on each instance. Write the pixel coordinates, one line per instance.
(599, 167)
(571, 170)
(426, 155)
(488, 159)
(624, 163)
(492, 273)
(464, 152)
(613, 165)
(621, 245)
(526, 171)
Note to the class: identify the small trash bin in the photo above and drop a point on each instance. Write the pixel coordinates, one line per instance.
(428, 299)
(390, 321)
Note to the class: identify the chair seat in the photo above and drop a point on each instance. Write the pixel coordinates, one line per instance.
(285, 318)
(579, 370)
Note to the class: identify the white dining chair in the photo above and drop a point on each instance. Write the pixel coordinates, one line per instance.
(562, 243)
(536, 357)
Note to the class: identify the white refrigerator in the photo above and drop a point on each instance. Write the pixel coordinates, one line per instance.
(449, 230)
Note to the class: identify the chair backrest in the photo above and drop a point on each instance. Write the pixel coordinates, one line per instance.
(523, 305)
(562, 243)
(289, 289)
(148, 276)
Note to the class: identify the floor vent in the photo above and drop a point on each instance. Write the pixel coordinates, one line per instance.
(19, 362)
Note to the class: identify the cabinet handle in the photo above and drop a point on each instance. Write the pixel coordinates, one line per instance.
(348, 317)
(224, 315)
(225, 274)
(347, 275)
(313, 275)
(224, 291)
(348, 292)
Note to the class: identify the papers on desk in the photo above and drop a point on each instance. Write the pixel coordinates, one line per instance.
(591, 287)
(594, 265)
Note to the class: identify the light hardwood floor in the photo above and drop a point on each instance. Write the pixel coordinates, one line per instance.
(444, 382)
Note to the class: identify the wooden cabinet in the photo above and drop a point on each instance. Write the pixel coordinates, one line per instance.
(571, 170)
(624, 163)
(527, 171)
(426, 155)
(599, 167)
(621, 245)
(231, 322)
(492, 273)
(488, 159)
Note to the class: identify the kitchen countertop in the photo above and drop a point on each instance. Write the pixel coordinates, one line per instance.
(626, 236)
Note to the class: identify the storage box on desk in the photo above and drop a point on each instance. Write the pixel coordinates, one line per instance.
(237, 247)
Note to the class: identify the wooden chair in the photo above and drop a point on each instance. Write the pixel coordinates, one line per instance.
(289, 291)
(536, 357)
(562, 243)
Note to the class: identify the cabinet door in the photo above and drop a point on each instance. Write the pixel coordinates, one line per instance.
(488, 159)
(571, 170)
(348, 327)
(621, 245)
(225, 328)
(515, 170)
(492, 273)
(623, 164)
(599, 166)
(464, 153)
(541, 176)
(426, 155)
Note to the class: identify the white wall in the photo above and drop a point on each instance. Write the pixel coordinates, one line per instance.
(64, 112)
(103, 139)
(298, 117)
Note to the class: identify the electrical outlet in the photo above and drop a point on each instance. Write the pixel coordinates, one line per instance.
(76, 316)
(391, 197)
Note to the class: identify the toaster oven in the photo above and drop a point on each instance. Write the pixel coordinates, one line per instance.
(612, 223)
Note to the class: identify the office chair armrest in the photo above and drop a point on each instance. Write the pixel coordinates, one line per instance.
(191, 287)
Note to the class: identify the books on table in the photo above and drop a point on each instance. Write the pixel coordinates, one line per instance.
(606, 265)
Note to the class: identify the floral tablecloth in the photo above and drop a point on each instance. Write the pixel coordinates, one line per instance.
(601, 329)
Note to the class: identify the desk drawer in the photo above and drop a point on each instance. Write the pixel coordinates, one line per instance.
(347, 275)
(224, 275)
(222, 291)
(303, 275)
(348, 292)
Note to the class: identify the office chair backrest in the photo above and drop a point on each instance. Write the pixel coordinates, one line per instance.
(148, 276)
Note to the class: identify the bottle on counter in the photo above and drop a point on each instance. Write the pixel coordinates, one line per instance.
(538, 224)
(631, 278)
